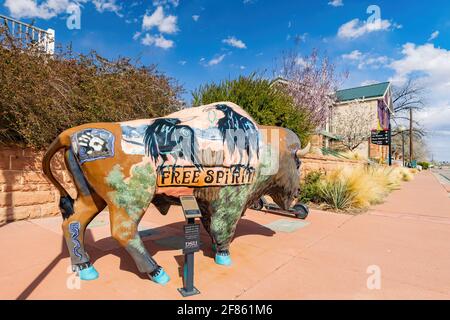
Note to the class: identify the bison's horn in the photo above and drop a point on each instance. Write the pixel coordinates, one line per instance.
(301, 152)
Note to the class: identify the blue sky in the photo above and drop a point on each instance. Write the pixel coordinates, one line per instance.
(198, 41)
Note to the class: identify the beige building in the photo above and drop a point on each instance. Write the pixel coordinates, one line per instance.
(357, 112)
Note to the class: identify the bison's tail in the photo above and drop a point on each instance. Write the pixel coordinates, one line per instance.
(62, 141)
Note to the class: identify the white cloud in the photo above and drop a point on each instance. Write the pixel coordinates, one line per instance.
(356, 28)
(106, 5)
(354, 55)
(51, 8)
(433, 36)
(242, 67)
(365, 60)
(195, 17)
(166, 3)
(137, 35)
(157, 41)
(232, 41)
(369, 82)
(216, 60)
(31, 9)
(336, 3)
(431, 66)
(165, 24)
(374, 62)
(182, 62)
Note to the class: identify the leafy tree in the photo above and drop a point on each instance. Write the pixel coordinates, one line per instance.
(266, 104)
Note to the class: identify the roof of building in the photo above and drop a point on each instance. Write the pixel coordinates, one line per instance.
(364, 92)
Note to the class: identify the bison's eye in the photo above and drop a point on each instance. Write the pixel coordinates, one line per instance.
(298, 163)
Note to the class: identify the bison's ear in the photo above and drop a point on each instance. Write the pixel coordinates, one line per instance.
(302, 152)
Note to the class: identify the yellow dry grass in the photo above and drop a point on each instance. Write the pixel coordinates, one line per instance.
(367, 185)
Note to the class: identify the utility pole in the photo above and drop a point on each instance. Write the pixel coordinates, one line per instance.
(410, 136)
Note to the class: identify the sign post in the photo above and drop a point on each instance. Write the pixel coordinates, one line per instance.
(191, 244)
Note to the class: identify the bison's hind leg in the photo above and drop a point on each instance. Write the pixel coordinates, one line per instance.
(77, 215)
(74, 227)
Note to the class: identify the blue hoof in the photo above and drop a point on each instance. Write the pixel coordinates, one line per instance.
(223, 260)
(88, 273)
(161, 277)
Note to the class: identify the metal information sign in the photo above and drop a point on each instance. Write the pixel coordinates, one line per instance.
(191, 243)
(191, 238)
(380, 138)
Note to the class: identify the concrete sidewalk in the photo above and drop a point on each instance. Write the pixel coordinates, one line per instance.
(327, 256)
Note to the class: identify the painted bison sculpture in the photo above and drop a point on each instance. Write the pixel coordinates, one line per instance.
(215, 152)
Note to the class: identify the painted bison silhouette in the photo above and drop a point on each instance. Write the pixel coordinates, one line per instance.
(215, 152)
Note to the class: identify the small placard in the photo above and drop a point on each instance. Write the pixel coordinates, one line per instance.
(190, 207)
(191, 238)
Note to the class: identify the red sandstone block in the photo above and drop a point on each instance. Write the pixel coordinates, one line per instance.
(48, 210)
(21, 213)
(45, 187)
(34, 177)
(25, 163)
(4, 162)
(20, 187)
(7, 151)
(30, 152)
(18, 198)
(11, 176)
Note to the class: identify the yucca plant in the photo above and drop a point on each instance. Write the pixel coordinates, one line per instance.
(336, 194)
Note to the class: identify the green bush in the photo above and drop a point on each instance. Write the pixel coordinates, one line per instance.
(41, 95)
(263, 102)
(310, 188)
(425, 165)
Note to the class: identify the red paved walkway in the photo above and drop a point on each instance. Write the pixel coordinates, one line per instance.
(407, 238)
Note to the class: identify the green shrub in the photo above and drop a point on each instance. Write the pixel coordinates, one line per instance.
(41, 95)
(263, 102)
(425, 165)
(310, 188)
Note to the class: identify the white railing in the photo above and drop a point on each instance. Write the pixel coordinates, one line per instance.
(27, 33)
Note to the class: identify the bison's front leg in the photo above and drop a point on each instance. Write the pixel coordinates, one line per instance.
(226, 211)
(125, 230)
(127, 203)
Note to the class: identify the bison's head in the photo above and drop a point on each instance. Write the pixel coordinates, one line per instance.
(285, 183)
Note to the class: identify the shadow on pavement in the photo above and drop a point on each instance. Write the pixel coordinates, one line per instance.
(245, 227)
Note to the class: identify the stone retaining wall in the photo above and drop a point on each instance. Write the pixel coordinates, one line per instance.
(24, 191)
(312, 162)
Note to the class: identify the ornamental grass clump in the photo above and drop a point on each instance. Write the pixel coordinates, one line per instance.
(353, 188)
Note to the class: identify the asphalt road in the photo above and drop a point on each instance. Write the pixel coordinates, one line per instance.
(443, 174)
